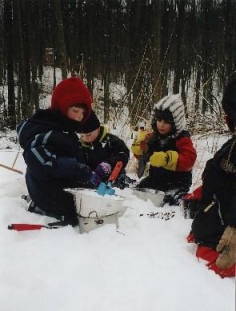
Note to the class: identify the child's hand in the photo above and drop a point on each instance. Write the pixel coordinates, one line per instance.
(158, 159)
(103, 170)
(88, 177)
(167, 160)
(94, 180)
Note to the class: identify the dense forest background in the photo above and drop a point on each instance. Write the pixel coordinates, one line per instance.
(151, 47)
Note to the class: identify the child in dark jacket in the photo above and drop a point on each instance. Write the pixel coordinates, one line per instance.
(214, 225)
(52, 151)
(170, 151)
(102, 150)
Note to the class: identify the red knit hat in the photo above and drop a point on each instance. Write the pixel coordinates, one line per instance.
(69, 92)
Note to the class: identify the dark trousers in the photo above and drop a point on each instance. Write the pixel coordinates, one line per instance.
(208, 227)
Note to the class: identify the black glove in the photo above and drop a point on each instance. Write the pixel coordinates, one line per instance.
(94, 180)
(84, 172)
(87, 177)
(122, 181)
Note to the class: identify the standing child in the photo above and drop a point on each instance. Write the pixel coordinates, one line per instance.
(214, 225)
(138, 151)
(102, 150)
(170, 151)
(52, 152)
(136, 145)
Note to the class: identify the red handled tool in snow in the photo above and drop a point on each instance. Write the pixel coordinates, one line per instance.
(104, 188)
(27, 227)
(30, 227)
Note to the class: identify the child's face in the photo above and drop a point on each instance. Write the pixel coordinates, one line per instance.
(75, 113)
(90, 137)
(163, 127)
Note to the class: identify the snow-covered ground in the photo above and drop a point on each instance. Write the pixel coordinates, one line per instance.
(144, 265)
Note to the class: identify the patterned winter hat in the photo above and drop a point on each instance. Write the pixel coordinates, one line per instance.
(69, 92)
(172, 105)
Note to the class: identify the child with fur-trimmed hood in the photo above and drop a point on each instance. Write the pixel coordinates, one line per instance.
(170, 151)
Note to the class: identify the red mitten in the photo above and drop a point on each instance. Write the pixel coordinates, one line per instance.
(190, 238)
(195, 195)
(206, 253)
(224, 273)
(210, 255)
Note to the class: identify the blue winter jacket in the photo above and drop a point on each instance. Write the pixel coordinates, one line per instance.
(53, 156)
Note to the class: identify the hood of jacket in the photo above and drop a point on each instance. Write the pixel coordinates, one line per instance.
(44, 121)
(175, 105)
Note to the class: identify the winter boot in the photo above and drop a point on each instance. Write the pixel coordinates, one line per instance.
(26, 197)
(227, 248)
(206, 253)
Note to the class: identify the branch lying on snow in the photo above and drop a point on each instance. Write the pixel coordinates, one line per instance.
(161, 215)
(11, 168)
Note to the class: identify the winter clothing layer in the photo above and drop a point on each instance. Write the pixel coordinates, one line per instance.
(183, 158)
(219, 186)
(69, 92)
(175, 106)
(136, 145)
(54, 160)
(91, 124)
(171, 156)
(106, 148)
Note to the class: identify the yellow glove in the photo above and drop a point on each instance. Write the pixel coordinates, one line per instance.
(136, 149)
(167, 160)
(158, 159)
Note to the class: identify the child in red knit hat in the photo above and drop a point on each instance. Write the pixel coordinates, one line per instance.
(52, 151)
(70, 93)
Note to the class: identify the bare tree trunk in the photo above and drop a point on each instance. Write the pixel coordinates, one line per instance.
(34, 98)
(207, 73)
(22, 78)
(229, 38)
(8, 27)
(106, 95)
(197, 90)
(158, 75)
(178, 71)
(60, 38)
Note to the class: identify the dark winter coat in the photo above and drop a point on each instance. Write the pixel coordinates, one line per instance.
(175, 183)
(106, 148)
(219, 186)
(162, 179)
(52, 152)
